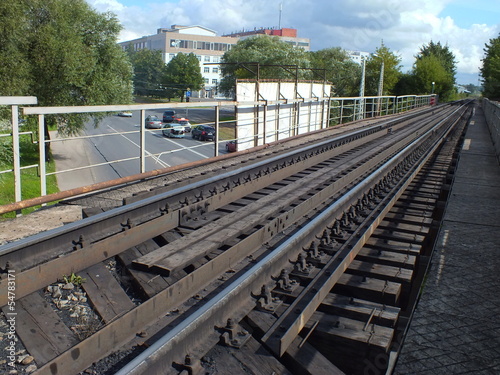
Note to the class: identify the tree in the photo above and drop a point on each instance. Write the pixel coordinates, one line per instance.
(428, 70)
(183, 73)
(340, 69)
(276, 60)
(391, 74)
(490, 71)
(14, 66)
(443, 53)
(68, 56)
(149, 70)
(435, 63)
(405, 85)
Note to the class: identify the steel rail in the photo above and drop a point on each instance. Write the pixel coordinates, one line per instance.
(188, 286)
(72, 228)
(172, 347)
(308, 301)
(74, 236)
(113, 334)
(43, 274)
(110, 242)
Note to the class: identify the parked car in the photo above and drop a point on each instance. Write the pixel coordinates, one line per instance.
(173, 131)
(125, 114)
(153, 122)
(168, 116)
(203, 132)
(231, 146)
(184, 122)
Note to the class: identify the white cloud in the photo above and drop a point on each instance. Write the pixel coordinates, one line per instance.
(404, 25)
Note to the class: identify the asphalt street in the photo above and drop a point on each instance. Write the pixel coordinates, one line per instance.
(117, 139)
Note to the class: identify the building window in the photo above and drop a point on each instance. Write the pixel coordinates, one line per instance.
(171, 56)
(206, 81)
(215, 70)
(206, 69)
(207, 58)
(198, 57)
(216, 59)
(214, 81)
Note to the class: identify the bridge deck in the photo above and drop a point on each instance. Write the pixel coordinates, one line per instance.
(456, 326)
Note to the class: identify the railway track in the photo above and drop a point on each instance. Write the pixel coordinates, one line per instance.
(293, 260)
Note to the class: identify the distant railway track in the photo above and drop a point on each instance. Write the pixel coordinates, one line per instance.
(305, 252)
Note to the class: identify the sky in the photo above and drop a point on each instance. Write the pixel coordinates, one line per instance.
(404, 26)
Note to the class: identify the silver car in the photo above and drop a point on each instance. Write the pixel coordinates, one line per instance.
(153, 122)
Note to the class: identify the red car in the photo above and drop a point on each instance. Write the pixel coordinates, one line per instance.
(231, 146)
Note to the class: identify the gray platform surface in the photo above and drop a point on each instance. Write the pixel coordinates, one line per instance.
(456, 326)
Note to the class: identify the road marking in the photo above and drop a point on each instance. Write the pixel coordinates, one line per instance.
(157, 159)
(185, 148)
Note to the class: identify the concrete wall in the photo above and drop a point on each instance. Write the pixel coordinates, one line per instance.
(492, 113)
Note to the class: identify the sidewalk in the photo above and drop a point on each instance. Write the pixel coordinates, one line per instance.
(456, 326)
(70, 154)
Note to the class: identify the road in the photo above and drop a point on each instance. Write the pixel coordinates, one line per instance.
(118, 138)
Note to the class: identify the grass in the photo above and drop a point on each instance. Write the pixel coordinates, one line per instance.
(30, 179)
(227, 130)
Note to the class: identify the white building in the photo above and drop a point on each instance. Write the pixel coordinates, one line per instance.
(205, 44)
(357, 56)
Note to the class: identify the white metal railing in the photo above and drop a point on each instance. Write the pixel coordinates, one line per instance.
(344, 110)
(341, 110)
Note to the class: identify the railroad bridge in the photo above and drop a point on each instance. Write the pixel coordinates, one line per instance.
(366, 248)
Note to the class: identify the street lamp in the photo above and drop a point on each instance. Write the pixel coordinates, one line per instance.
(432, 92)
(380, 87)
(362, 90)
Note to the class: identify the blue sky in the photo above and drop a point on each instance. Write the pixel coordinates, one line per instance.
(404, 26)
(465, 13)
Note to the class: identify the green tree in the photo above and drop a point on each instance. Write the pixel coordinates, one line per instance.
(263, 56)
(68, 55)
(183, 73)
(405, 85)
(427, 70)
(391, 74)
(149, 70)
(339, 68)
(14, 66)
(490, 70)
(435, 63)
(443, 53)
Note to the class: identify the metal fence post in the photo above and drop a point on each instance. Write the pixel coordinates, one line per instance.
(41, 150)
(142, 126)
(216, 152)
(16, 153)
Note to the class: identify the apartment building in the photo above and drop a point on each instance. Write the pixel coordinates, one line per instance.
(201, 41)
(207, 46)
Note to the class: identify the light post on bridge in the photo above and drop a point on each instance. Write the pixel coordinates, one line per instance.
(380, 87)
(361, 113)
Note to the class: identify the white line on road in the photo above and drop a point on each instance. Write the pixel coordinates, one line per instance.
(157, 159)
(183, 147)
